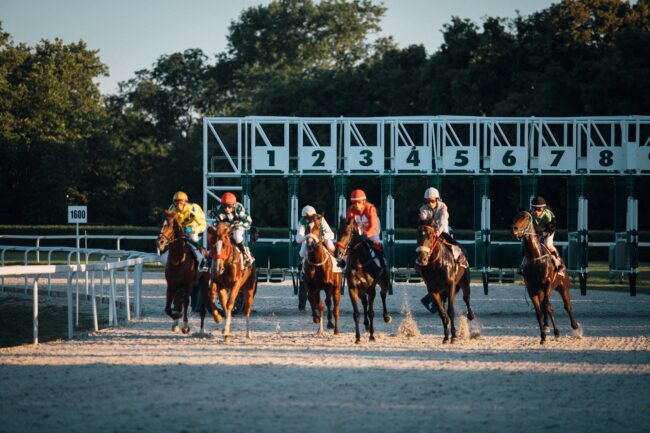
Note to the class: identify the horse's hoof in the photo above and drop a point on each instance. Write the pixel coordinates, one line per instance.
(445, 340)
(217, 318)
(388, 318)
(227, 339)
(175, 328)
(471, 315)
(330, 325)
(315, 319)
(557, 334)
(575, 325)
(357, 341)
(186, 330)
(547, 329)
(372, 338)
(336, 332)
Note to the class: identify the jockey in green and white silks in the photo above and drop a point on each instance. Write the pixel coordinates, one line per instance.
(305, 225)
(544, 225)
(235, 213)
(434, 212)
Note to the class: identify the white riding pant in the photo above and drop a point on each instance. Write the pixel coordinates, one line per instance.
(548, 242)
(238, 235)
(303, 248)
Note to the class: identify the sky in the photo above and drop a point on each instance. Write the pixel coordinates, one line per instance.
(131, 34)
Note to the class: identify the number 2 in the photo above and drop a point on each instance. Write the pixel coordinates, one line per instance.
(320, 157)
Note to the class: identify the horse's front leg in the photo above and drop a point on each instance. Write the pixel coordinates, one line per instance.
(372, 293)
(354, 299)
(328, 303)
(337, 302)
(443, 314)
(451, 311)
(540, 316)
(364, 303)
(213, 302)
(186, 304)
(549, 310)
(168, 309)
(223, 299)
(384, 284)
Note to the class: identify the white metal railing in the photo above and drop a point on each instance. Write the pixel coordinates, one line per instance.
(89, 271)
(117, 238)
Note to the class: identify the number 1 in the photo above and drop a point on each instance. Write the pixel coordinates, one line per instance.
(271, 154)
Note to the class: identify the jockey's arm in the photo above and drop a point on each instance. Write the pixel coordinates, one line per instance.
(373, 223)
(327, 231)
(198, 219)
(300, 235)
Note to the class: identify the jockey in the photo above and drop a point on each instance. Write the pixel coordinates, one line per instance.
(434, 213)
(544, 225)
(235, 213)
(192, 218)
(365, 214)
(305, 224)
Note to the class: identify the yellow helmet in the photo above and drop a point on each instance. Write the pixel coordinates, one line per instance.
(180, 195)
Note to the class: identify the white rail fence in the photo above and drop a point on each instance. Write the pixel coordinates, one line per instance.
(134, 260)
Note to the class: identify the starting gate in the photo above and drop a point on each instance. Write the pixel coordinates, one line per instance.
(236, 149)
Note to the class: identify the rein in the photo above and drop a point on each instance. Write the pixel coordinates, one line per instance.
(318, 242)
(426, 249)
(225, 250)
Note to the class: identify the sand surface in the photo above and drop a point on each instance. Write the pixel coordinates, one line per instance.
(142, 377)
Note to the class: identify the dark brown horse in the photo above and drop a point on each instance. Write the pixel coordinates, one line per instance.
(443, 277)
(180, 272)
(540, 276)
(363, 272)
(228, 276)
(319, 275)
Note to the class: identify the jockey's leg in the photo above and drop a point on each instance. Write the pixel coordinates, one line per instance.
(548, 242)
(455, 249)
(195, 243)
(238, 237)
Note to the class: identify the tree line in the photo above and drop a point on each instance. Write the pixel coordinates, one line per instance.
(63, 142)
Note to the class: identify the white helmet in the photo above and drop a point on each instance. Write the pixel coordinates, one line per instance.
(308, 210)
(431, 193)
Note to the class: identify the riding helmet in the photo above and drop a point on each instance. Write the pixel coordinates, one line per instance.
(180, 195)
(308, 211)
(431, 193)
(538, 202)
(357, 195)
(228, 198)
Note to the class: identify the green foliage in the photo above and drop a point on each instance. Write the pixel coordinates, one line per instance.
(126, 154)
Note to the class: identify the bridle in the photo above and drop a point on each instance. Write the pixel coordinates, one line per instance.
(526, 231)
(428, 250)
(529, 231)
(167, 239)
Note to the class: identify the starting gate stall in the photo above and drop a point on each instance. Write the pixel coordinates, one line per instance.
(236, 150)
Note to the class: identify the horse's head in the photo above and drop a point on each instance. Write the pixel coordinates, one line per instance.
(314, 237)
(347, 231)
(426, 240)
(220, 246)
(522, 224)
(169, 231)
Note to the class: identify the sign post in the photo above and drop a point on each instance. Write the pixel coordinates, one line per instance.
(76, 215)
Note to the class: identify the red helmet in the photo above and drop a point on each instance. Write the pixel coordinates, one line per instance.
(228, 198)
(357, 195)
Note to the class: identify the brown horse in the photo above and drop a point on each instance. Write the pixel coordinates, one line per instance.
(228, 277)
(319, 275)
(363, 273)
(443, 277)
(540, 276)
(180, 272)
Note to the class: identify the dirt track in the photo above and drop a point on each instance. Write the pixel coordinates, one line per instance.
(141, 377)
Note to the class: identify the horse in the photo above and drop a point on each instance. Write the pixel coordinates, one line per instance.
(228, 276)
(443, 277)
(181, 272)
(319, 274)
(540, 276)
(363, 274)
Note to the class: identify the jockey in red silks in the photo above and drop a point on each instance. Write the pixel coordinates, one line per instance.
(365, 214)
